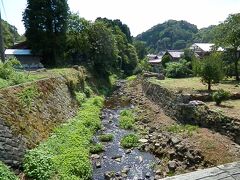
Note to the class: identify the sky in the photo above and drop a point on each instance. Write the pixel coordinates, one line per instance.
(139, 15)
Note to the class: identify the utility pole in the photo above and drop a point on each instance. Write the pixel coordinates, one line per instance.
(2, 54)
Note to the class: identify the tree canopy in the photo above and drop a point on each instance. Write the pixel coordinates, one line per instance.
(46, 24)
(228, 36)
(10, 34)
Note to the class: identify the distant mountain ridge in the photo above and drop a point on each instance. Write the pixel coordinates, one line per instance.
(176, 35)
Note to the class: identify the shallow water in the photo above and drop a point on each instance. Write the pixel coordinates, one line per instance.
(115, 158)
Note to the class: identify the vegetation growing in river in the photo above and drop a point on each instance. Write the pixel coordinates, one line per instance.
(65, 155)
(96, 148)
(129, 141)
(127, 119)
(6, 173)
(106, 137)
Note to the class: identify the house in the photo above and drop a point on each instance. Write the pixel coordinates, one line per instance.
(26, 58)
(203, 49)
(175, 55)
(154, 59)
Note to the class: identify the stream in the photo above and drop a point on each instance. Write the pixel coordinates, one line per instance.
(116, 162)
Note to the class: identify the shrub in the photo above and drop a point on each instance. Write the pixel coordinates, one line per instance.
(96, 148)
(7, 68)
(88, 91)
(6, 173)
(127, 119)
(131, 78)
(179, 69)
(81, 97)
(65, 155)
(106, 137)
(129, 141)
(126, 122)
(220, 96)
(38, 164)
(143, 65)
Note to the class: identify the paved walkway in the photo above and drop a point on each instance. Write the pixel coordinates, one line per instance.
(229, 171)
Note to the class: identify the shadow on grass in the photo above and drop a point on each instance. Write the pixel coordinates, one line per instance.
(232, 82)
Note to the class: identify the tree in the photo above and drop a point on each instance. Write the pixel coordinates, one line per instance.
(127, 56)
(78, 44)
(179, 69)
(212, 70)
(165, 59)
(228, 35)
(103, 50)
(141, 49)
(46, 24)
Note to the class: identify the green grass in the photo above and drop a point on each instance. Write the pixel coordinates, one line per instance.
(129, 141)
(194, 84)
(127, 119)
(6, 173)
(106, 137)
(230, 108)
(19, 77)
(189, 129)
(65, 155)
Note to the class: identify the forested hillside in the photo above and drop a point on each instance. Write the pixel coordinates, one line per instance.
(174, 34)
(10, 34)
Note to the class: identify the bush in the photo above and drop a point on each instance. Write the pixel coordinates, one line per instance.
(6, 173)
(81, 97)
(65, 154)
(220, 96)
(126, 122)
(7, 68)
(129, 141)
(131, 78)
(106, 137)
(143, 65)
(179, 69)
(96, 148)
(38, 164)
(127, 119)
(88, 91)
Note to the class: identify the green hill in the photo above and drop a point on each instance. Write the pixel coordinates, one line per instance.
(174, 34)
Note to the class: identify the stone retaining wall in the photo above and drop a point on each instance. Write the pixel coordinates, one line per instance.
(182, 108)
(23, 127)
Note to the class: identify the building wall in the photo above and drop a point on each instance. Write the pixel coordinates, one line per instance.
(27, 60)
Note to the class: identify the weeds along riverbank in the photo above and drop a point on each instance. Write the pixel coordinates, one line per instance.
(65, 155)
